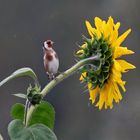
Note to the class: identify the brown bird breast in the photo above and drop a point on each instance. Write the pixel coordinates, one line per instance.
(49, 57)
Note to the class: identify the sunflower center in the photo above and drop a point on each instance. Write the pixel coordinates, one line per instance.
(98, 71)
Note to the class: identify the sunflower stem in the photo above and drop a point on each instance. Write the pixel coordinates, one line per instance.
(26, 110)
(60, 78)
(29, 114)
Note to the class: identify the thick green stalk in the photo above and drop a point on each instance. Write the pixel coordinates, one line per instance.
(29, 114)
(66, 74)
(60, 78)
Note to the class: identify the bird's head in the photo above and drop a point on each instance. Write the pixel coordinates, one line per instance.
(48, 44)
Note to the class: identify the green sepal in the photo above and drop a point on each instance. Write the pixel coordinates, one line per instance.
(107, 64)
(106, 75)
(21, 95)
(35, 99)
(110, 60)
(101, 85)
(103, 59)
(86, 79)
(101, 78)
(94, 85)
(108, 54)
(105, 68)
(33, 95)
(97, 63)
(82, 56)
(104, 47)
(99, 73)
(101, 39)
(87, 40)
(94, 79)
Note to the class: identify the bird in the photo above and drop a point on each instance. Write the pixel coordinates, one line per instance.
(51, 60)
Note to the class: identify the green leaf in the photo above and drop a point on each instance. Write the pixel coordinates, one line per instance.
(44, 113)
(20, 73)
(21, 95)
(17, 131)
(17, 111)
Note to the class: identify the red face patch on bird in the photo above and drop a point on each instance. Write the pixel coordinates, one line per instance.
(49, 43)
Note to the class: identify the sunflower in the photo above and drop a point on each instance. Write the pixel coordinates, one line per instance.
(104, 76)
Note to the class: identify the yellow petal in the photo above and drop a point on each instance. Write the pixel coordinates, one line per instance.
(110, 93)
(102, 99)
(122, 38)
(117, 90)
(106, 30)
(115, 93)
(84, 46)
(118, 80)
(117, 26)
(125, 66)
(115, 96)
(89, 28)
(119, 51)
(98, 23)
(114, 34)
(83, 75)
(116, 74)
(110, 23)
(80, 52)
(93, 92)
(103, 95)
(116, 67)
(113, 38)
(122, 84)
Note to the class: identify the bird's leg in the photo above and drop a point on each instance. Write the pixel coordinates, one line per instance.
(54, 77)
(51, 76)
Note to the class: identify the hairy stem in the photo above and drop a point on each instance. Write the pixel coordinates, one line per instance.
(26, 110)
(60, 78)
(29, 114)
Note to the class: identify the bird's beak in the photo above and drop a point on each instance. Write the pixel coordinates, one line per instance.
(52, 42)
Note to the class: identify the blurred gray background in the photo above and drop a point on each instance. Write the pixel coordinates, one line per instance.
(25, 24)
